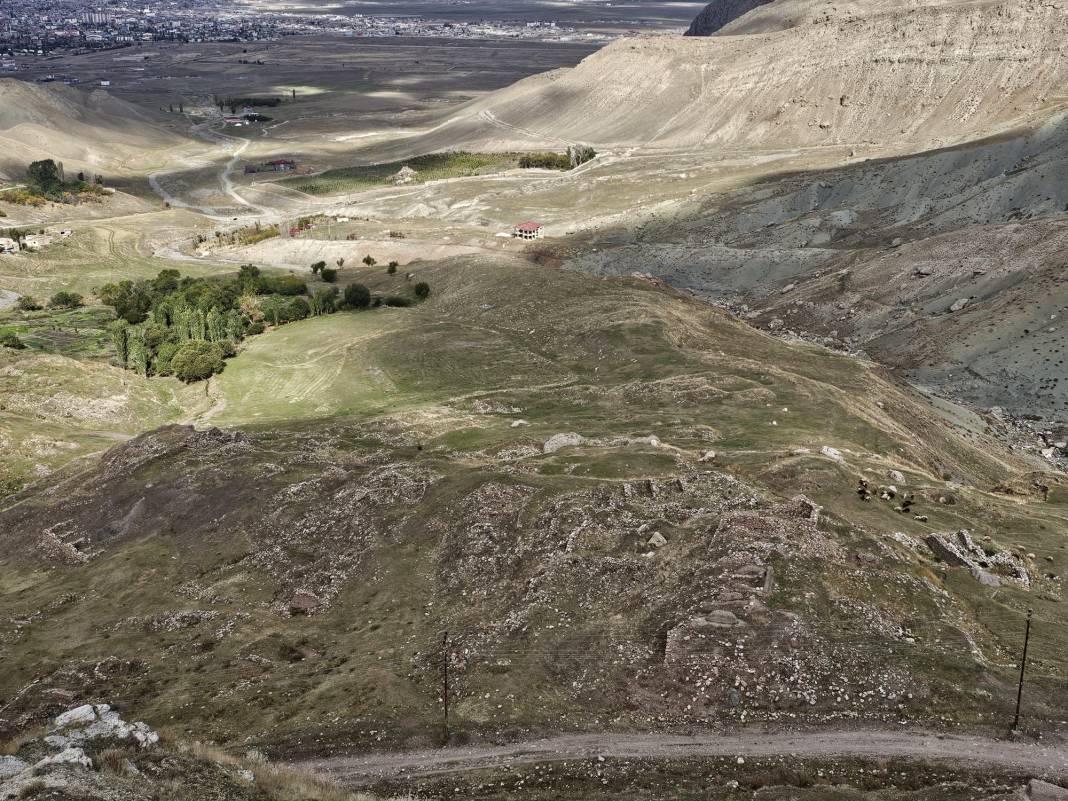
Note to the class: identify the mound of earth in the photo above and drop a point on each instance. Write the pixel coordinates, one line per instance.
(731, 529)
(719, 13)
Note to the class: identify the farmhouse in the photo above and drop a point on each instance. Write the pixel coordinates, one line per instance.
(281, 165)
(527, 230)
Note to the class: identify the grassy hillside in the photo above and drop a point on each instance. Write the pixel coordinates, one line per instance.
(384, 475)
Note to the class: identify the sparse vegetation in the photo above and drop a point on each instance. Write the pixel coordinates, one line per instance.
(431, 167)
(65, 300)
(10, 339)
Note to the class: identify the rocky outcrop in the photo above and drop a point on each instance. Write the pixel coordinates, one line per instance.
(719, 13)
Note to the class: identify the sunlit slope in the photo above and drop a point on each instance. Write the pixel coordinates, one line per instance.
(89, 130)
(907, 75)
(394, 474)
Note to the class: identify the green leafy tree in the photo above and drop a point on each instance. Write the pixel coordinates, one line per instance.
(196, 360)
(138, 354)
(370, 260)
(315, 268)
(392, 268)
(120, 337)
(329, 275)
(44, 176)
(340, 262)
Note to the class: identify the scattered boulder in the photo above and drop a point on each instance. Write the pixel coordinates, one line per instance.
(1038, 790)
(304, 603)
(832, 453)
(658, 540)
(90, 721)
(896, 476)
(958, 304)
(707, 456)
(519, 423)
(68, 756)
(558, 441)
(10, 766)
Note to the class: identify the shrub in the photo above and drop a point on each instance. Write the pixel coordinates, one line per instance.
(9, 339)
(285, 285)
(196, 360)
(27, 303)
(329, 274)
(315, 268)
(357, 296)
(370, 260)
(549, 161)
(422, 290)
(255, 328)
(392, 268)
(396, 300)
(65, 300)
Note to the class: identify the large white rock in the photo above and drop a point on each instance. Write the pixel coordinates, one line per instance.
(11, 766)
(831, 453)
(1038, 790)
(78, 717)
(558, 441)
(68, 756)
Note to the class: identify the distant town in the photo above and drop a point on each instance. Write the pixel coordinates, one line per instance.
(38, 28)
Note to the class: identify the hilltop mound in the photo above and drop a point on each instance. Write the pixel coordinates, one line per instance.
(87, 130)
(628, 509)
(719, 13)
(911, 77)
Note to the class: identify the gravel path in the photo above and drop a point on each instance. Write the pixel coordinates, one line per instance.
(1049, 761)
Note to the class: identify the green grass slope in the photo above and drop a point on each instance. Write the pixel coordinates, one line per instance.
(382, 476)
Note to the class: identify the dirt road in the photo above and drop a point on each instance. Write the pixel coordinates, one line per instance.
(1048, 761)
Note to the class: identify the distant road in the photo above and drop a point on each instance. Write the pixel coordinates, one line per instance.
(1048, 761)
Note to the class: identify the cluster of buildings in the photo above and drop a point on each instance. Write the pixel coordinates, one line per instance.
(39, 27)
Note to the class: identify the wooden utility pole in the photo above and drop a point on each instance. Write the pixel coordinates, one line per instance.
(445, 688)
(1023, 665)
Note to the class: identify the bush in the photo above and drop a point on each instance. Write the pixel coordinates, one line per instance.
(328, 274)
(196, 360)
(370, 260)
(65, 300)
(9, 339)
(26, 303)
(255, 328)
(315, 268)
(396, 300)
(285, 285)
(357, 296)
(422, 290)
(548, 161)
(392, 268)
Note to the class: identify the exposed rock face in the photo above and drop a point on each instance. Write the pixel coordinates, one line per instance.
(719, 13)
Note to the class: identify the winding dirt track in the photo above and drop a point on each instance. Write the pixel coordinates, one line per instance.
(1048, 761)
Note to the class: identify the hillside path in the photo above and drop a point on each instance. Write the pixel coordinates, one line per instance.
(1047, 760)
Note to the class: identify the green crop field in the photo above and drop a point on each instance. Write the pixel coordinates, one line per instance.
(431, 167)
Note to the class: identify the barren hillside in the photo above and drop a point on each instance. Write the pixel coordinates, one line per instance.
(87, 130)
(936, 74)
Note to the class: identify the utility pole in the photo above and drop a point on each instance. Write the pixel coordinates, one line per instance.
(445, 688)
(1023, 665)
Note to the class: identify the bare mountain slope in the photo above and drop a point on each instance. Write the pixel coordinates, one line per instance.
(938, 73)
(949, 263)
(90, 130)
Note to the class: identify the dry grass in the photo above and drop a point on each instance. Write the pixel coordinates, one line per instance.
(277, 782)
(14, 745)
(112, 760)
